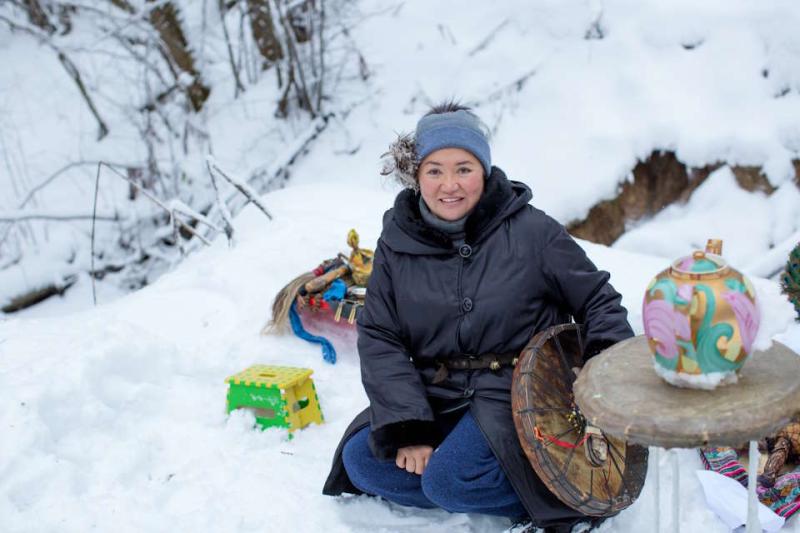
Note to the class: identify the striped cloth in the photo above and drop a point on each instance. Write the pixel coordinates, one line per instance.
(783, 498)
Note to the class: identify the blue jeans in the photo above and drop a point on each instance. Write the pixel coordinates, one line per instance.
(462, 476)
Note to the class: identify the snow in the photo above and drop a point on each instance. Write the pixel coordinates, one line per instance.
(35, 270)
(709, 381)
(725, 211)
(113, 417)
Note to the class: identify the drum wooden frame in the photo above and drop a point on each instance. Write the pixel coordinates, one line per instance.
(551, 429)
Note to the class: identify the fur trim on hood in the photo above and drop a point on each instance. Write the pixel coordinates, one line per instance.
(401, 162)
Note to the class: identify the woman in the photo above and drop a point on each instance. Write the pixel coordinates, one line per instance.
(465, 273)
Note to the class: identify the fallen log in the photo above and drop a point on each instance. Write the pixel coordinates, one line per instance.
(39, 294)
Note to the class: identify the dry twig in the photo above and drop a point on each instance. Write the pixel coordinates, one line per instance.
(240, 185)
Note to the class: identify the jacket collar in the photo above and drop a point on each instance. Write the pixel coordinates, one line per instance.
(404, 222)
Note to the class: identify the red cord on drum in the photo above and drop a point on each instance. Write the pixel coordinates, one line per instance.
(541, 437)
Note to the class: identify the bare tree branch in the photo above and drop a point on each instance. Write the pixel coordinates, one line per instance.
(239, 87)
(158, 202)
(176, 206)
(75, 74)
(321, 53)
(489, 38)
(94, 219)
(69, 66)
(279, 169)
(240, 185)
(21, 216)
(227, 218)
(295, 65)
(30, 194)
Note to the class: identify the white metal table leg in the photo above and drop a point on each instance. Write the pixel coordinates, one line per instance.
(656, 466)
(753, 523)
(676, 489)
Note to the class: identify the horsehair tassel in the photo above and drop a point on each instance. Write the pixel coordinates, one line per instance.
(279, 322)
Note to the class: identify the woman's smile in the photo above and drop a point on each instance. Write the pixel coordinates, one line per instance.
(451, 182)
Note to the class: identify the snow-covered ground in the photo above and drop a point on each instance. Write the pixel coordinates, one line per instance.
(113, 417)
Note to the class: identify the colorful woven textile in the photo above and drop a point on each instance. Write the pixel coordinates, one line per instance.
(783, 498)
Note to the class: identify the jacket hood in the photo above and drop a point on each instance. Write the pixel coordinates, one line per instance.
(405, 231)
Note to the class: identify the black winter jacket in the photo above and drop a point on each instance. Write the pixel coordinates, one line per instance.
(518, 273)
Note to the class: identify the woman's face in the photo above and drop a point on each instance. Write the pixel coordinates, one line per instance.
(451, 182)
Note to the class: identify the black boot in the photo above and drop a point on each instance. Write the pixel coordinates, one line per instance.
(522, 525)
(581, 525)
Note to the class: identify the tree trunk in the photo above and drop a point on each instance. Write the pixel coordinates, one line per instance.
(298, 16)
(263, 28)
(164, 18)
(34, 296)
(123, 5)
(38, 16)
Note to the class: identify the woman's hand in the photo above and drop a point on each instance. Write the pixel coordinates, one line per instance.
(413, 459)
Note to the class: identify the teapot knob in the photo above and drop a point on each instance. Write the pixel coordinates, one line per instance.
(714, 246)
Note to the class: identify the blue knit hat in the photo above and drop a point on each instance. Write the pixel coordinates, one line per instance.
(455, 129)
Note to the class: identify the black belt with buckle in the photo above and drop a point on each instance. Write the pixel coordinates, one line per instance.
(492, 361)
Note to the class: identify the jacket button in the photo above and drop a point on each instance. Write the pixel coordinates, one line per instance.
(465, 250)
(468, 392)
(466, 305)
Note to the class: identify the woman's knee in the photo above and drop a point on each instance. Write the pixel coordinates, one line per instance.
(441, 484)
(356, 457)
(460, 489)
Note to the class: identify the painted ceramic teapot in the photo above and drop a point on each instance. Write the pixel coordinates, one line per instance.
(700, 320)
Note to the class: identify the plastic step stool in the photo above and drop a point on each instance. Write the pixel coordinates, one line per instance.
(278, 396)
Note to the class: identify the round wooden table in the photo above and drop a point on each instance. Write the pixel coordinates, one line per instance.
(619, 392)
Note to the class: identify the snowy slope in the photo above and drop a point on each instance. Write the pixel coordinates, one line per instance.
(714, 83)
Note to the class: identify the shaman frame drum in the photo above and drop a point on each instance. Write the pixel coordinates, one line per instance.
(553, 434)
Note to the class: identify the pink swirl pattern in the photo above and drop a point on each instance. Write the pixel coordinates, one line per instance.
(746, 315)
(685, 292)
(663, 323)
(686, 264)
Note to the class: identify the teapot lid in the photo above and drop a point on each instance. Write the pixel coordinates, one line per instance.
(699, 264)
